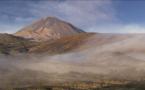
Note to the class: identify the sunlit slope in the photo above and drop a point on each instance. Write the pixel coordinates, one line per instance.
(62, 45)
(49, 28)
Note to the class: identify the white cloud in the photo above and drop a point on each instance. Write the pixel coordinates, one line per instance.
(81, 13)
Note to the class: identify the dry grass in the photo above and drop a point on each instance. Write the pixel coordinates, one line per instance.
(88, 86)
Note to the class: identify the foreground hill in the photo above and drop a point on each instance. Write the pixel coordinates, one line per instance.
(10, 44)
(49, 28)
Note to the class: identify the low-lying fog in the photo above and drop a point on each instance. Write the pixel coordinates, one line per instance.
(88, 65)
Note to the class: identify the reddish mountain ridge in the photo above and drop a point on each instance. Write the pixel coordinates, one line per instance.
(49, 28)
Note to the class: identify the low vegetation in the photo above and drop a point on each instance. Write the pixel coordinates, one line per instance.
(101, 85)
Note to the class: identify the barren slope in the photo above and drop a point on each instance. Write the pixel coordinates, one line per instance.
(49, 28)
(64, 44)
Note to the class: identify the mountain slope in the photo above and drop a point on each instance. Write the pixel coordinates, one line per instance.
(49, 28)
(10, 44)
(64, 44)
(77, 42)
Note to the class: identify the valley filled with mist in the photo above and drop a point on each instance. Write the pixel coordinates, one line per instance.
(120, 60)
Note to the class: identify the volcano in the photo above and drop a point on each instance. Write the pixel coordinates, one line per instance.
(49, 28)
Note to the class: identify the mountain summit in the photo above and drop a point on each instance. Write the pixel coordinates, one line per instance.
(48, 28)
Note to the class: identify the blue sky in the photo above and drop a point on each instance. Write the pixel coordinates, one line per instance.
(109, 16)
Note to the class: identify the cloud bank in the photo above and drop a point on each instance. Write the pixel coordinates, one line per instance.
(81, 13)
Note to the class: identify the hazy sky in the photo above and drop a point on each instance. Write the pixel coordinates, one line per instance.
(118, 16)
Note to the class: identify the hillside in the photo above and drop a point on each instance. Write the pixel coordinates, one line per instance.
(64, 44)
(13, 44)
(10, 44)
